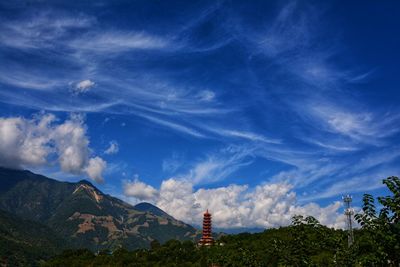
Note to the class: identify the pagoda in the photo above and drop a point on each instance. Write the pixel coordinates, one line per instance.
(206, 239)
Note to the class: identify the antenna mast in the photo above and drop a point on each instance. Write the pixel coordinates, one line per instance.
(349, 212)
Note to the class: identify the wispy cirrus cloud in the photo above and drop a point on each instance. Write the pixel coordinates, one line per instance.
(360, 183)
(114, 41)
(173, 163)
(172, 125)
(290, 23)
(218, 166)
(41, 30)
(246, 135)
(269, 89)
(22, 79)
(360, 126)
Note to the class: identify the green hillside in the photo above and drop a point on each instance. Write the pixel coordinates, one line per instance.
(24, 242)
(83, 215)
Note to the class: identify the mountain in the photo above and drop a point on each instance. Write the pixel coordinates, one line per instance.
(83, 215)
(147, 207)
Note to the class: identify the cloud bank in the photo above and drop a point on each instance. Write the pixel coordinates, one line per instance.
(266, 205)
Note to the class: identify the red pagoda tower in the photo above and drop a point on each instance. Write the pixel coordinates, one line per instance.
(206, 239)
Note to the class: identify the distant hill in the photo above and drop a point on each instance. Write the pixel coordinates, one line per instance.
(147, 207)
(83, 215)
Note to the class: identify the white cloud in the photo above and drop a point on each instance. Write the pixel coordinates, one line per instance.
(113, 148)
(289, 31)
(360, 126)
(35, 142)
(218, 166)
(173, 125)
(173, 163)
(246, 135)
(83, 86)
(72, 145)
(41, 30)
(206, 95)
(140, 190)
(331, 144)
(28, 79)
(95, 169)
(24, 142)
(48, 29)
(355, 181)
(177, 199)
(113, 41)
(266, 205)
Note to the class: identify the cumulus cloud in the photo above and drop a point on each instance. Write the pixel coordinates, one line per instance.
(113, 148)
(72, 145)
(140, 190)
(95, 169)
(83, 86)
(35, 142)
(178, 195)
(266, 205)
(24, 142)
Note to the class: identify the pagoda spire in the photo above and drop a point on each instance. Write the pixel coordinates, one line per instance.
(207, 239)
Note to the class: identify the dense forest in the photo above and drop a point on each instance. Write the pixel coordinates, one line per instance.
(304, 243)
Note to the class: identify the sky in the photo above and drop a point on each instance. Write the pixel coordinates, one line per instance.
(256, 110)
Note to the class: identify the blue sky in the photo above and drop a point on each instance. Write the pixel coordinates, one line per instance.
(205, 104)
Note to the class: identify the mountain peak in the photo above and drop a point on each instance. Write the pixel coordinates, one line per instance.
(83, 181)
(89, 189)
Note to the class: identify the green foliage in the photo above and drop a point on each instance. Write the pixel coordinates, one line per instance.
(391, 203)
(306, 244)
(368, 217)
(25, 243)
(380, 240)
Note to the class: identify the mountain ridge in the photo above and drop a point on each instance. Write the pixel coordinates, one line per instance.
(148, 207)
(84, 215)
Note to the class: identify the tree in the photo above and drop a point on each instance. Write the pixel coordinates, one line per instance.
(155, 244)
(382, 243)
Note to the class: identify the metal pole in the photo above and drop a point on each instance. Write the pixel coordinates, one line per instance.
(349, 225)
